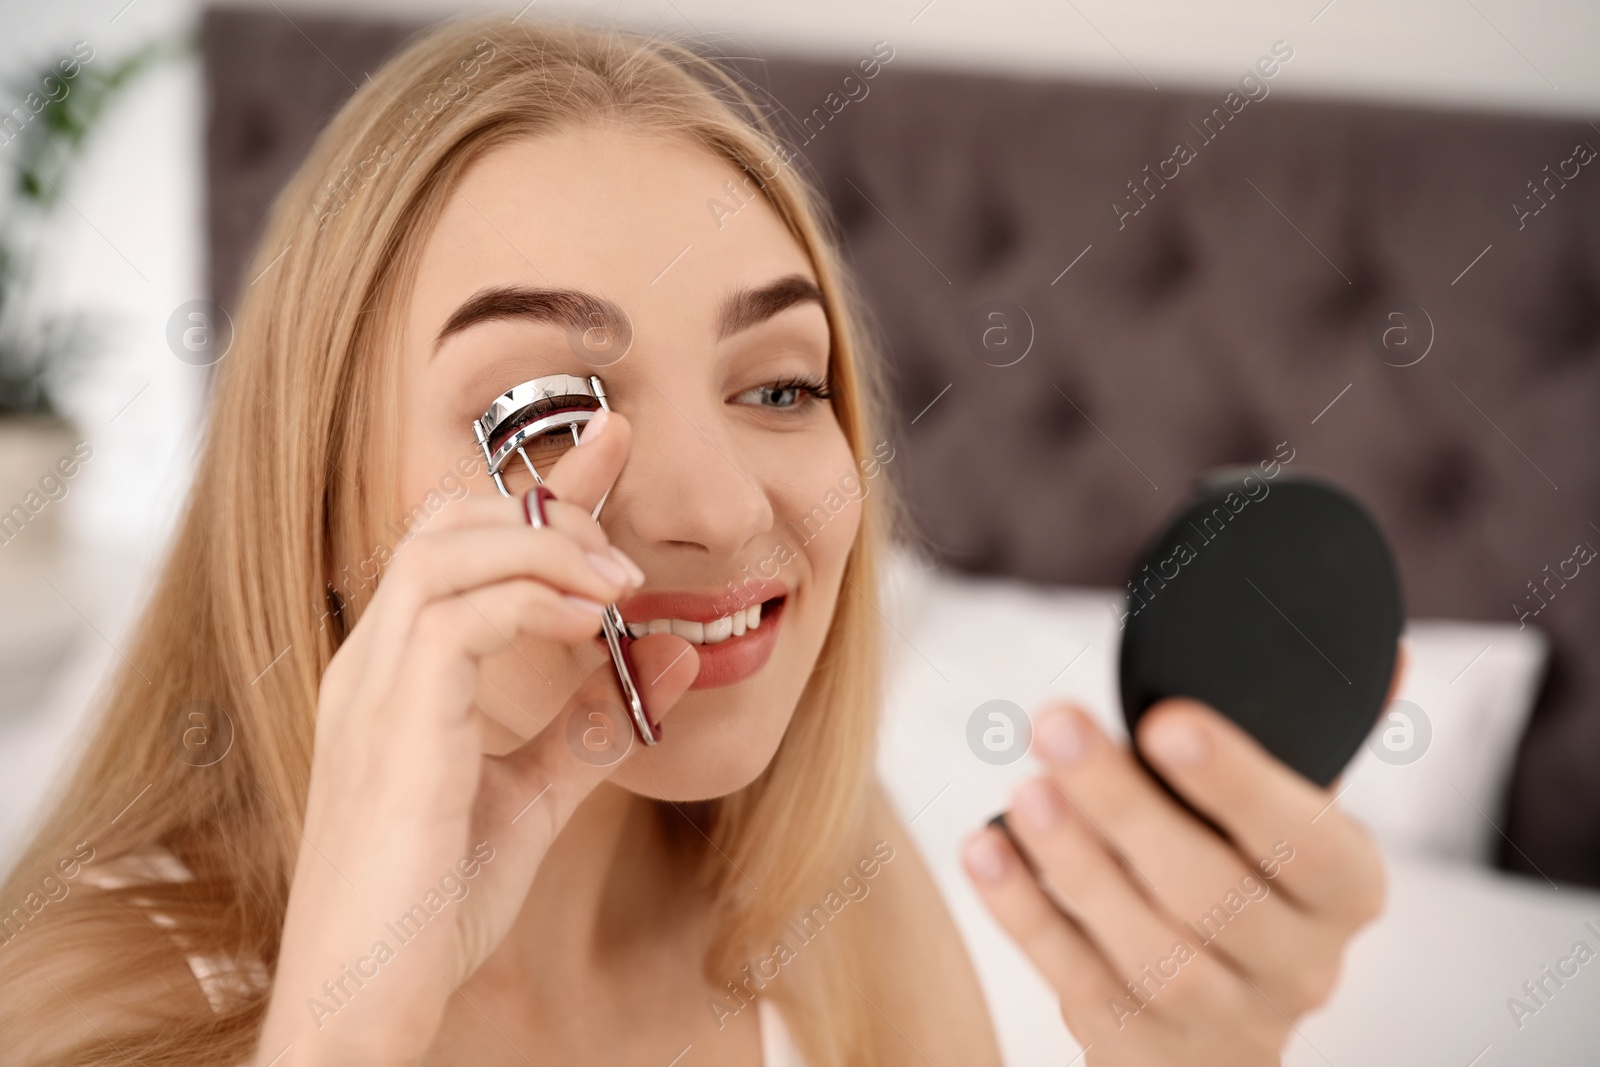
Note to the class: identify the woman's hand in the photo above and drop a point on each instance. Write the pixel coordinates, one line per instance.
(418, 849)
(1174, 944)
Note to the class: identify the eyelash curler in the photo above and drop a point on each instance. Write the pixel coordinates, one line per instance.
(540, 415)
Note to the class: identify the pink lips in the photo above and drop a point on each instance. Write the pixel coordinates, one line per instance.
(733, 659)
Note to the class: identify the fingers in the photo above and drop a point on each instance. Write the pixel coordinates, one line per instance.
(1092, 885)
(451, 563)
(1057, 947)
(586, 473)
(1178, 862)
(448, 563)
(1129, 892)
(1320, 857)
(427, 683)
(547, 771)
(492, 509)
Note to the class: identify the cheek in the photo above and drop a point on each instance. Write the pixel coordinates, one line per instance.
(820, 507)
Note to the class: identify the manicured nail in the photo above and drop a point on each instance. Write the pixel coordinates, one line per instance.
(1060, 737)
(594, 427)
(607, 568)
(584, 604)
(986, 859)
(1038, 805)
(1177, 743)
(629, 565)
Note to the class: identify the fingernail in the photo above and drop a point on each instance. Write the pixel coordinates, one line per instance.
(1177, 743)
(584, 604)
(986, 859)
(1038, 805)
(607, 568)
(594, 427)
(630, 565)
(1060, 737)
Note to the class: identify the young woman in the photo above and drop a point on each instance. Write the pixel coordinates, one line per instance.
(399, 847)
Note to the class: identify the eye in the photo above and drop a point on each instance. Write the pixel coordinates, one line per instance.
(786, 394)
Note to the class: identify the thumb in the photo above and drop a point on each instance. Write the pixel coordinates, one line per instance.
(528, 794)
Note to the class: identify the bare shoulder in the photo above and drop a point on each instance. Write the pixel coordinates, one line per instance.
(932, 989)
(87, 976)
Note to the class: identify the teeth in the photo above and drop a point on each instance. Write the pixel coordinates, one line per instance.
(703, 633)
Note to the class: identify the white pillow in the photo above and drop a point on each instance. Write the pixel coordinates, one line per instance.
(1471, 686)
(957, 642)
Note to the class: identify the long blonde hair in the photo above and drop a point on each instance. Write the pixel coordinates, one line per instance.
(296, 480)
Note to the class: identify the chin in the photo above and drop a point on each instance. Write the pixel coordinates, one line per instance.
(713, 743)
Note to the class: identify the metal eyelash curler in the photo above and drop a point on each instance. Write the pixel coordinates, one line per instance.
(538, 416)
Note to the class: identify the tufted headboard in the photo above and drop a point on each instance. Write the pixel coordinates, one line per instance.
(1243, 304)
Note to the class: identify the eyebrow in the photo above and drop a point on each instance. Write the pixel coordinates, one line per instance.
(574, 309)
(751, 307)
(571, 309)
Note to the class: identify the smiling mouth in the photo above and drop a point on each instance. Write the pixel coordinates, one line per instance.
(731, 647)
(713, 632)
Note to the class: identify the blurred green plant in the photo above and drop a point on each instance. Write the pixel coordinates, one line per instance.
(37, 355)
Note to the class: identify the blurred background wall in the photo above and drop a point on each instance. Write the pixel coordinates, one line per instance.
(130, 242)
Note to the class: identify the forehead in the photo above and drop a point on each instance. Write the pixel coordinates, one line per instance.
(653, 222)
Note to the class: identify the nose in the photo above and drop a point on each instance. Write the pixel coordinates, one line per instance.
(687, 485)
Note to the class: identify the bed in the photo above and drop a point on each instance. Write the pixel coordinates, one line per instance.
(1077, 326)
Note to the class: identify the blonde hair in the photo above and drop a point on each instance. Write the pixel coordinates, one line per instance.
(303, 423)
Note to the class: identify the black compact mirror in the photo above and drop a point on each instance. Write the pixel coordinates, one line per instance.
(1276, 601)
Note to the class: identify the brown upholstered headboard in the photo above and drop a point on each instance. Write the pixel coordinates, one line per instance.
(1233, 311)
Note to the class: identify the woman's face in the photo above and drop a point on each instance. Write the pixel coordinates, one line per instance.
(727, 463)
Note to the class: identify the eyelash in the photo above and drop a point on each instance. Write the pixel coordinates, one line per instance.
(816, 388)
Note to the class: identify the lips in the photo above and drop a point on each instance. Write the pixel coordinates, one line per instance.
(698, 607)
(732, 659)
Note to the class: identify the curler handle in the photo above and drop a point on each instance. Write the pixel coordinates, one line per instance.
(617, 640)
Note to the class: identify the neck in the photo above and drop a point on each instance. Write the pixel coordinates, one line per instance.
(611, 890)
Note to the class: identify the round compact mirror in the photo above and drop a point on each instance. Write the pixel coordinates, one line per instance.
(1276, 601)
